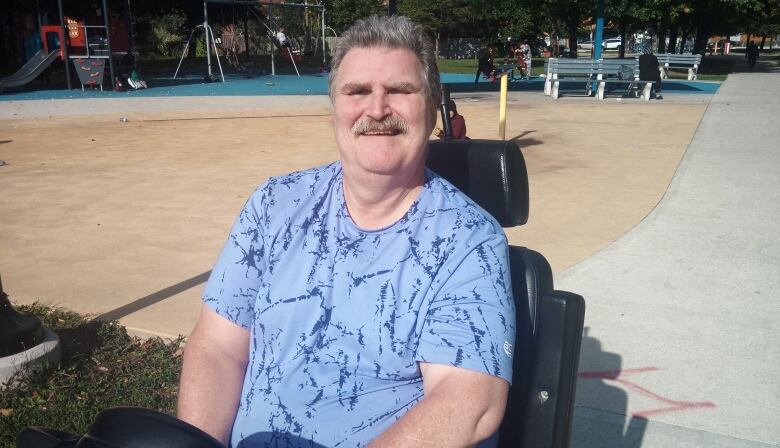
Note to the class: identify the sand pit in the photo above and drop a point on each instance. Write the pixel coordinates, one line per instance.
(96, 213)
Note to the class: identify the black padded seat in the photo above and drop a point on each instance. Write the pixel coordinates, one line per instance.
(492, 173)
(549, 322)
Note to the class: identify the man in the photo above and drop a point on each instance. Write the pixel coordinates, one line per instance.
(649, 71)
(751, 54)
(485, 65)
(457, 123)
(366, 302)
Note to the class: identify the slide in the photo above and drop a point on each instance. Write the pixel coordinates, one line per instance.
(30, 70)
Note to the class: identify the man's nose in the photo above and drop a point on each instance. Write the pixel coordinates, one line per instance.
(379, 106)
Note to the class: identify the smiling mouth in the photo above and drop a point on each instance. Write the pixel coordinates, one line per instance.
(389, 132)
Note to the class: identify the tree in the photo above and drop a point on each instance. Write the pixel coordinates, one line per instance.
(763, 20)
(577, 12)
(341, 14)
(629, 16)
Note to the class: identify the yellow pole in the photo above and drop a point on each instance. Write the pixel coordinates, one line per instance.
(502, 108)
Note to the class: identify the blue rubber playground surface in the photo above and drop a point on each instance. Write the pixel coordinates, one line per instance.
(304, 85)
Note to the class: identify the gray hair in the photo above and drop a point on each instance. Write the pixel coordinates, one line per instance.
(393, 32)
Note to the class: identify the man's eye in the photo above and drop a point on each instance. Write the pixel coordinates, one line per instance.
(356, 91)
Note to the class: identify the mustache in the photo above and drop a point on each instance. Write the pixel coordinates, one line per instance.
(390, 123)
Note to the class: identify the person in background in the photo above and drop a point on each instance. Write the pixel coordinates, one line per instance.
(282, 38)
(525, 51)
(457, 122)
(648, 71)
(751, 54)
(486, 67)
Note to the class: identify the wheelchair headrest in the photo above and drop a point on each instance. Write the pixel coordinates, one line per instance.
(491, 172)
(128, 427)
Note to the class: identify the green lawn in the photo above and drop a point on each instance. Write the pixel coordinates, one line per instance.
(470, 65)
(101, 367)
(713, 68)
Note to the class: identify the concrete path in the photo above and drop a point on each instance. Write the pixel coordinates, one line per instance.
(683, 319)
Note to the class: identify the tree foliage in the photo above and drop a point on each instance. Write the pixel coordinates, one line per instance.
(161, 25)
(340, 14)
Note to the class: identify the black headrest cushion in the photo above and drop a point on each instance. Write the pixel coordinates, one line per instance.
(491, 172)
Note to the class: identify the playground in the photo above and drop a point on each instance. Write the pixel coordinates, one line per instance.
(96, 47)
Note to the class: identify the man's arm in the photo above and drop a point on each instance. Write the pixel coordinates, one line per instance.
(215, 360)
(461, 407)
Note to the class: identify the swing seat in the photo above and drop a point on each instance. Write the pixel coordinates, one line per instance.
(286, 55)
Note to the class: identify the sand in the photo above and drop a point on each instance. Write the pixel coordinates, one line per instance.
(97, 213)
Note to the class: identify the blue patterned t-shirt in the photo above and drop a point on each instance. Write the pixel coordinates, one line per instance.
(340, 317)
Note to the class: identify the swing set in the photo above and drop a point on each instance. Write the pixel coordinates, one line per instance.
(289, 48)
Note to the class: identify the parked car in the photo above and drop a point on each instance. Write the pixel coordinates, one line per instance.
(611, 44)
(587, 45)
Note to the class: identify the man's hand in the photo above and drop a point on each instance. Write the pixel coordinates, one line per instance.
(461, 407)
(215, 360)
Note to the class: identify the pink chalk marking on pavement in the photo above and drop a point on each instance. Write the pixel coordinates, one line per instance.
(615, 375)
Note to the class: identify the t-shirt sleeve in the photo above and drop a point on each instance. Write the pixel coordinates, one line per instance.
(236, 278)
(471, 321)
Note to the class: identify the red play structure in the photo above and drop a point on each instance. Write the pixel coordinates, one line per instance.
(87, 43)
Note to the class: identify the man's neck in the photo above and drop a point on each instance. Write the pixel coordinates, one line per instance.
(377, 201)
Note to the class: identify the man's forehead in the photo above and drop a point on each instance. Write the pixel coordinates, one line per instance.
(357, 70)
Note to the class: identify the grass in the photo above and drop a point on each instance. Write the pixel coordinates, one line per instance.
(469, 66)
(102, 366)
(711, 69)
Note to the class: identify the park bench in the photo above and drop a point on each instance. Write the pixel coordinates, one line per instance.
(621, 71)
(570, 70)
(549, 75)
(599, 72)
(684, 61)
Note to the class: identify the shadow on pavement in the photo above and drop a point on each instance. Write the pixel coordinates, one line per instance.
(153, 298)
(525, 142)
(600, 417)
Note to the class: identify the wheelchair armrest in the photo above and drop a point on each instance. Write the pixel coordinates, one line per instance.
(38, 437)
(123, 427)
(554, 375)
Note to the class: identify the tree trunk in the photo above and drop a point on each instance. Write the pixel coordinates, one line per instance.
(683, 40)
(673, 31)
(763, 41)
(572, 25)
(554, 40)
(702, 21)
(663, 27)
(622, 47)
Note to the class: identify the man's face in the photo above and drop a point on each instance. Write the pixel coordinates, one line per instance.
(382, 116)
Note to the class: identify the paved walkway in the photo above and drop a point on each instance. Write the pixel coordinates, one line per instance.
(683, 320)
